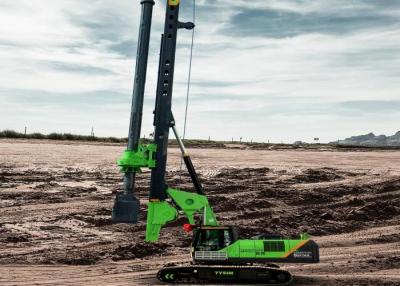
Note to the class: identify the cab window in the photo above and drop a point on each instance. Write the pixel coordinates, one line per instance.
(213, 239)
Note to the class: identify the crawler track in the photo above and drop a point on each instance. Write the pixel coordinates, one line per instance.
(224, 274)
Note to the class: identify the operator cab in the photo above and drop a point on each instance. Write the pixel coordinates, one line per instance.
(213, 238)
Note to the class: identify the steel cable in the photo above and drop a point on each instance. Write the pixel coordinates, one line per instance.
(189, 79)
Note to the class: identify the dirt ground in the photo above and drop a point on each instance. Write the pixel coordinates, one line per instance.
(56, 200)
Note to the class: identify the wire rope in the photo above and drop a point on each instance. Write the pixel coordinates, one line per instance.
(189, 79)
(190, 73)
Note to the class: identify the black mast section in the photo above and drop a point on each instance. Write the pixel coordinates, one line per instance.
(126, 205)
(163, 119)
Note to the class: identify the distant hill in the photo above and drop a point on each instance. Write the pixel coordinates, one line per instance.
(371, 139)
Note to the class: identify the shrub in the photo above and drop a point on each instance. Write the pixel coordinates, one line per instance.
(36, 136)
(55, 136)
(10, 134)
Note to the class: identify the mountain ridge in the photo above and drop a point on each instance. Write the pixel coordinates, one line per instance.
(371, 139)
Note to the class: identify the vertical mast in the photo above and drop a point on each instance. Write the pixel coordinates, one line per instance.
(126, 206)
(163, 118)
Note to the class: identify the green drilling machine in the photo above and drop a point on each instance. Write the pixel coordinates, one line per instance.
(218, 255)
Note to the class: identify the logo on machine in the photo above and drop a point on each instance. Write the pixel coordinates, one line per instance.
(224, 273)
(302, 254)
(169, 276)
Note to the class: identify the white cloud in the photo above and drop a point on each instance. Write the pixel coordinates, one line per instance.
(256, 86)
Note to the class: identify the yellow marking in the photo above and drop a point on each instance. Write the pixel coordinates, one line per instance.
(173, 2)
(295, 249)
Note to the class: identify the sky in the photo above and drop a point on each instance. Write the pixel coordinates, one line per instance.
(263, 70)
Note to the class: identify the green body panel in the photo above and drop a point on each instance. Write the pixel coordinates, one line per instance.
(143, 157)
(191, 203)
(160, 213)
(255, 249)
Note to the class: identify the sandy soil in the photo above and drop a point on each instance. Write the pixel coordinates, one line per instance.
(56, 198)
